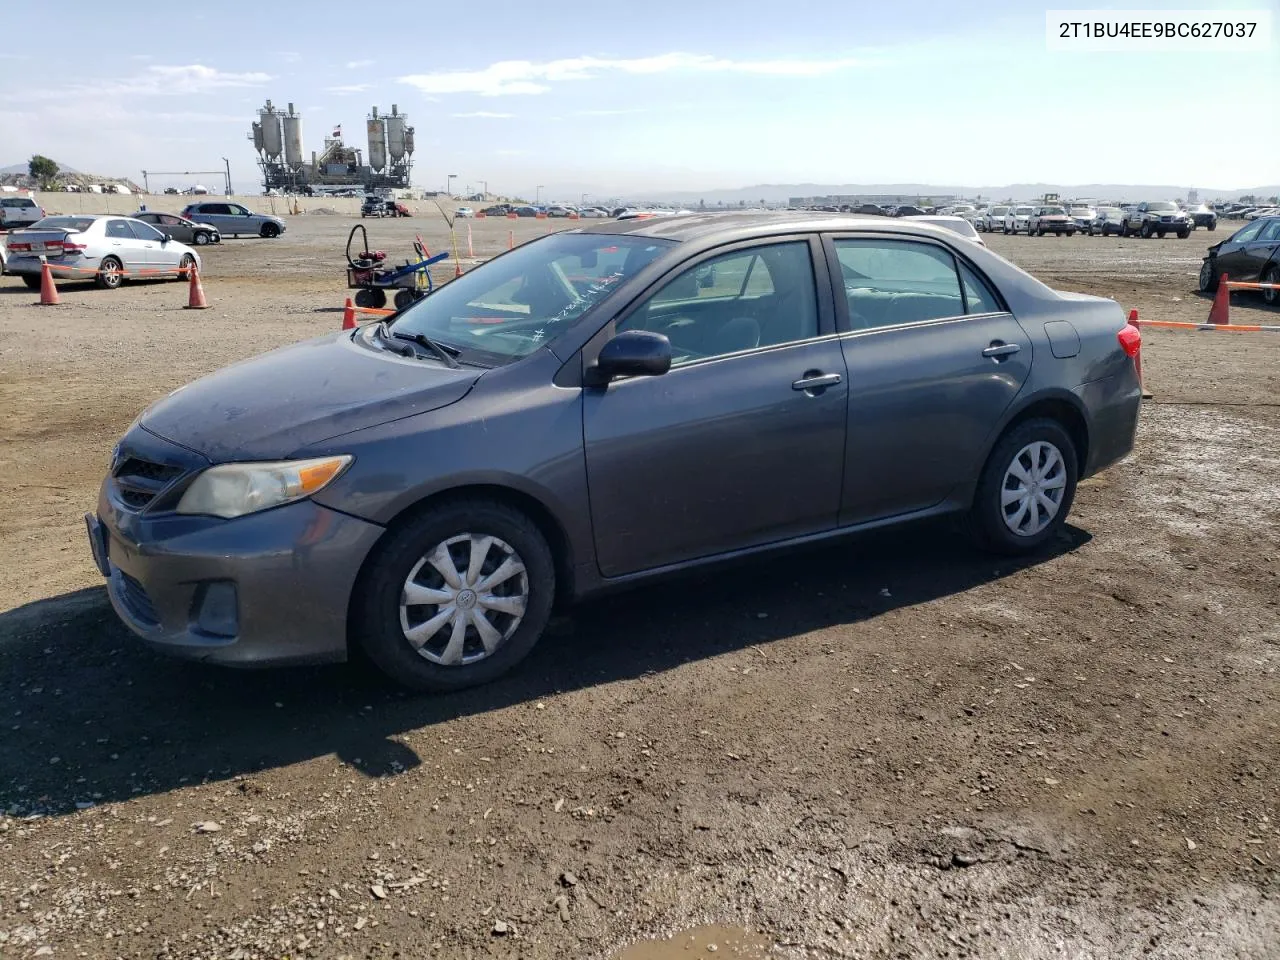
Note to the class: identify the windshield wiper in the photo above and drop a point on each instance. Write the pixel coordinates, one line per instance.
(444, 352)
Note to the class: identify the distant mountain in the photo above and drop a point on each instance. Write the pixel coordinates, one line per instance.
(779, 193)
(23, 168)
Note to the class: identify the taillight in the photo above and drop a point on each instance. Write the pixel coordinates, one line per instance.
(70, 246)
(1130, 338)
(19, 247)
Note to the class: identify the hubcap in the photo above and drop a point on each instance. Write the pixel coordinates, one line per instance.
(464, 599)
(1033, 487)
(1206, 275)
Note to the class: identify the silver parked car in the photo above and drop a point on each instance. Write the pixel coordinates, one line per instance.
(596, 408)
(1018, 217)
(233, 220)
(992, 218)
(102, 248)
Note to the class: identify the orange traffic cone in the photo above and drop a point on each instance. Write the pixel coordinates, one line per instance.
(195, 295)
(348, 315)
(1220, 312)
(1137, 357)
(457, 268)
(48, 292)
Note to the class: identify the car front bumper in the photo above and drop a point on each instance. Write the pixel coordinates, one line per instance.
(265, 589)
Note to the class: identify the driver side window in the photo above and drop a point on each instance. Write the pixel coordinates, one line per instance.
(758, 297)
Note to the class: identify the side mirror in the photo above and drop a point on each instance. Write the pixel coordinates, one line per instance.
(167, 238)
(632, 353)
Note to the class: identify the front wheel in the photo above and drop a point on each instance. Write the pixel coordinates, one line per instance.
(201, 239)
(404, 298)
(1145, 231)
(269, 231)
(1026, 488)
(32, 280)
(371, 298)
(457, 596)
(1208, 277)
(110, 273)
(1183, 234)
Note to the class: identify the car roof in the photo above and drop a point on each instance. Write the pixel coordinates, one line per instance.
(729, 226)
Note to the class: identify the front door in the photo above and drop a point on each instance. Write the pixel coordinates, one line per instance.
(741, 442)
(934, 359)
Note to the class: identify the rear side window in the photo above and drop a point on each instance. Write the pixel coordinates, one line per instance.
(119, 229)
(978, 297)
(1270, 232)
(213, 208)
(18, 203)
(890, 283)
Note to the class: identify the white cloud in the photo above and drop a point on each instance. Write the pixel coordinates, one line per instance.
(608, 113)
(485, 114)
(357, 64)
(350, 88)
(154, 81)
(511, 77)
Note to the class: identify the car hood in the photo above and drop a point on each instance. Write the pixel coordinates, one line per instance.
(275, 404)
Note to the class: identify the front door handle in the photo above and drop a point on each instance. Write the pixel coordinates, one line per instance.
(998, 350)
(816, 380)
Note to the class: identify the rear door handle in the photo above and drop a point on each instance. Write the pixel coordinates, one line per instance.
(998, 350)
(816, 381)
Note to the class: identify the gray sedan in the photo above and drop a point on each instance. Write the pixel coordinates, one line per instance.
(596, 408)
(180, 228)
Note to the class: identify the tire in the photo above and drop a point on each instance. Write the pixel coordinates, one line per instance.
(270, 231)
(31, 280)
(1213, 225)
(1145, 231)
(1183, 234)
(380, 620)
(1071, 233)
(404, 298)
(1006, 231)
(1208, 277)
(1271, 275)
(185, 266)
(987, 516)
(201, 238)
(371, 298)
(1160, 234)
(110, 274)
(1090, 232)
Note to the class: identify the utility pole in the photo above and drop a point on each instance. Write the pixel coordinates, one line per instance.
(146, 187)
(537, 197)
(448, 187)
(485, 184)
(228, 165)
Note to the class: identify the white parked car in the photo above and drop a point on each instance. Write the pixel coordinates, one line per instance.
(18, 212)
(1018, 217)
(105, 249)
(992, 218)
(960, 225)
(464, 212)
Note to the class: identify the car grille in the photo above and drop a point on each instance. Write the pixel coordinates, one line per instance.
(133, 597)
(141, 481)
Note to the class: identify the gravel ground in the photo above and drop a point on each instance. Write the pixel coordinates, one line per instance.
(892, 747)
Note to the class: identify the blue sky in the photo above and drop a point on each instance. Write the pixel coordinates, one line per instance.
(651, 95)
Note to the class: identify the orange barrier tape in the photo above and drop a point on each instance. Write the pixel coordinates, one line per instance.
(94, 271)
(1226, 327)
(1244, 285)
(376, 311)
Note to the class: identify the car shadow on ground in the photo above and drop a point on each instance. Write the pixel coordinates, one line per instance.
(89, 715)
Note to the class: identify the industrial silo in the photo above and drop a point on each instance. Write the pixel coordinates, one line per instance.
(377, 141)
(293, 139)
(408, 140)
(257, 136)
(395, 135)
(271, 137)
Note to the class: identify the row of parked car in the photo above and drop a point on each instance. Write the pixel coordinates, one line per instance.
(1155, 218)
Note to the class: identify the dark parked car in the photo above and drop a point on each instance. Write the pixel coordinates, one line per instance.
(871, 210)
(1252, 254)
(180, 228)
(907, 210)
(1108, 220)
(595, 408)
(1203, 216)
(497, 210)
(526, 211)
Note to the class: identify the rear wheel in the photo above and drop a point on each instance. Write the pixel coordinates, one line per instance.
(371, 298)
(458, 595)
(185, 266)
(110, 273)
(404, 298)
(1026, 488)
(1271, 297)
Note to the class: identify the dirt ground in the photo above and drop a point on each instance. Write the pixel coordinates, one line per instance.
(893, 747)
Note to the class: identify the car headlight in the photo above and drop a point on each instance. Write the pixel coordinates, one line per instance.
(235, 489)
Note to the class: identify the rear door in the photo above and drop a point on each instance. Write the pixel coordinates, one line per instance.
(122, 244)
(218, 214)
(934, 359)
(1261, 251)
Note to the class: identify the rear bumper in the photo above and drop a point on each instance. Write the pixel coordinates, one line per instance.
(1113, 406)
(82, 268)
(270, 588)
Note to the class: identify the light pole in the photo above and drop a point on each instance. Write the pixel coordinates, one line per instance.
(485, 184)
(448, 188)
(228, 165)
(537, 197)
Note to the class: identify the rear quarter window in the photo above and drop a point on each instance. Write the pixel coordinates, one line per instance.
(22, 203)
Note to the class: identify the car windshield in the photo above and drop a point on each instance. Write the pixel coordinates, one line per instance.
(999, 211)
(1052, 212)
(523, 300)
(75, 224)
(1162, 206)
(1022, 211)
